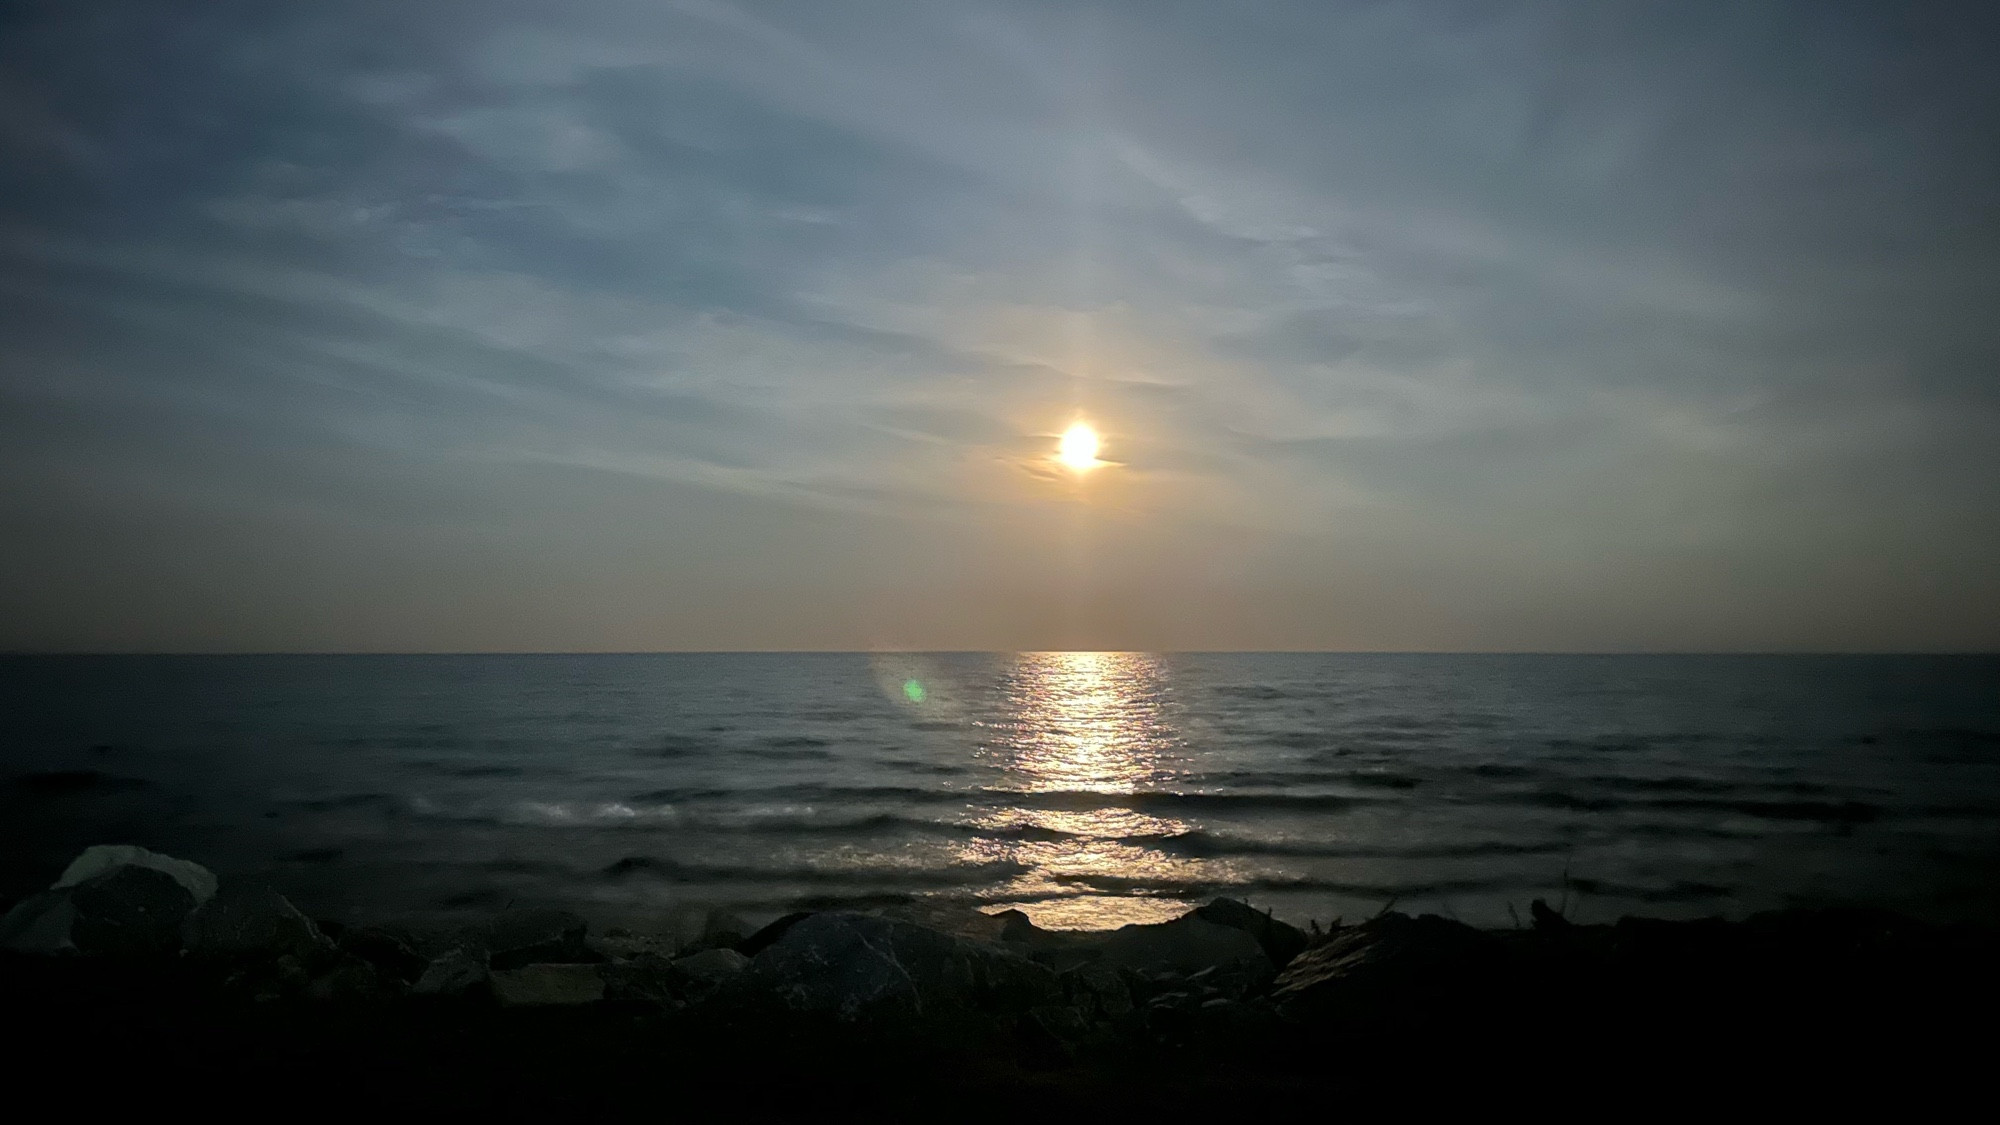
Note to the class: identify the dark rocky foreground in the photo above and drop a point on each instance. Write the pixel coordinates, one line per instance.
(143, 987)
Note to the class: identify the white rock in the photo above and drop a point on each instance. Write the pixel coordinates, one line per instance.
(199, 881)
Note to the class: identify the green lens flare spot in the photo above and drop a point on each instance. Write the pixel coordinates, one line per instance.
(913, 690)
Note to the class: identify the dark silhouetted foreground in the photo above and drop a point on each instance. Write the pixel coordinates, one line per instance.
(142, 986)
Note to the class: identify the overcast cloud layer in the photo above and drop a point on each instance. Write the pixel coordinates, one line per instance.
(671, 324)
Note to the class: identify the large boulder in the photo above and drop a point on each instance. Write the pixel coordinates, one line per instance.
(645, 978)
(114, 898)
(40, 923)
(548, 985)
(1099, 991)
(1281, 941)
(1187, 944)
(768, 936)
(527, 937)
(385, 949)
(858, 967)
(1393, 967)
(253, 922)
(456, 972)
(129, 910)
(102, 859)
(652, 978)
(699, 974)
(349, 979)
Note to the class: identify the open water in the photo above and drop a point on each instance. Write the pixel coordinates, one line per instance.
(1089, 789)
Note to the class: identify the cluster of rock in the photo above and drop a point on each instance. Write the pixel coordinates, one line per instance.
(1215, 967)
(1225, 976)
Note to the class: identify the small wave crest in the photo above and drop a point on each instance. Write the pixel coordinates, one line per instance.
(909, 878)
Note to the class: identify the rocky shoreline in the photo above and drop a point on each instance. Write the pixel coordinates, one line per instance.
(150, 960)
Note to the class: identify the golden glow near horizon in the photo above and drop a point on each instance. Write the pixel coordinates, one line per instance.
(1078, 448)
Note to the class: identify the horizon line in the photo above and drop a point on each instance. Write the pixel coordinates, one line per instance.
(17, 653)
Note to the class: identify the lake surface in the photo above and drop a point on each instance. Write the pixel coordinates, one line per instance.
(1089, 789)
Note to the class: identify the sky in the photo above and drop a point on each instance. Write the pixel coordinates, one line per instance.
(632, 325)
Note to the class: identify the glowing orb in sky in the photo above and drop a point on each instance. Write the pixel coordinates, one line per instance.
(1078, 448)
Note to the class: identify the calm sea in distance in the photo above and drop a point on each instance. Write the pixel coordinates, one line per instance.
(1090, 789)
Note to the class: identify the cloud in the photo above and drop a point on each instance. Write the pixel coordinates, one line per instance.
(1373, 291)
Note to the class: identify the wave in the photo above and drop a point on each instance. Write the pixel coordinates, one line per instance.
(347, 801)
(1082, 885)
(832, 714)
(1250, 691)
(677, 746)
(1374, 779)
(1664, 784)
(454, 769)
(935, 769)
(917, 878)
(62, 782)
(1503, 769)
(828, 793)
(1680, 891)
(1201, 844)
(1192, 804)
(1830, 812)
(1052, 800)
(788, 753)
(1300, 740)
(1191, 843)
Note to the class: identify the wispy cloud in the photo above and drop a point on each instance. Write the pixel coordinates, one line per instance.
(1445, 310)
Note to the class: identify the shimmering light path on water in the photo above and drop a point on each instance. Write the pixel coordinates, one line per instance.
(1084, 722)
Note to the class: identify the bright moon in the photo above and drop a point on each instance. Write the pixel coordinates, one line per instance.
(1078, 448)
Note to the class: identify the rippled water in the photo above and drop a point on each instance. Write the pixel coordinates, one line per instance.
(1087, 788)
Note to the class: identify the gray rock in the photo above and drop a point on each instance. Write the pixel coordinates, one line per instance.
(525, 937)
(113, 898)
(1016, 926)
(1052, 1034)
(384, 949)
(454, 973)
(102, 859)
(129, 910)
(711, 964)
(768, 936)
(254, 922)
(40, 924)
(547, 985)
(1185, 945)
(1391, 966)
(856, 967)
(623, 945)
(278, 979)
(350, 979)
(1281, 942)
(644, 978)
(1098, 990)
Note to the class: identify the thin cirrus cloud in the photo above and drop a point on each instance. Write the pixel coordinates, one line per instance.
(608, 325)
